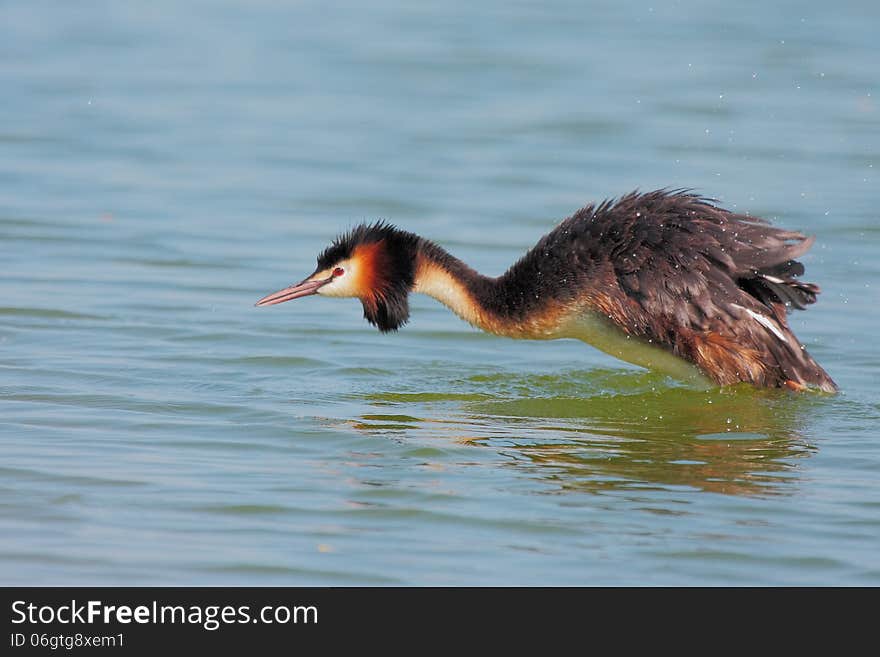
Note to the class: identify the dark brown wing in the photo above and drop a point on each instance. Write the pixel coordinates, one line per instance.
(711, 286)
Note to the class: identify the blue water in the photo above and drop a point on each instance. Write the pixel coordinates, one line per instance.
(164, 165)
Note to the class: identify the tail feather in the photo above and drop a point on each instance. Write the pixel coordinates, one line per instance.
(770, 274)
(785, 290)
(798, 366)
(774, 280)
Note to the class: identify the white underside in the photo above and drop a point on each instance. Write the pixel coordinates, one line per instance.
(595, 329)
(590, 327)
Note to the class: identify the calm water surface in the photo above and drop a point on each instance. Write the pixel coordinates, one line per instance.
(163, 166)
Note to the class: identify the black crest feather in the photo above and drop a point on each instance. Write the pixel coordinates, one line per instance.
(387, 307)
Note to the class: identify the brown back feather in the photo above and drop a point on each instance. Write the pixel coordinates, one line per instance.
(673, 268)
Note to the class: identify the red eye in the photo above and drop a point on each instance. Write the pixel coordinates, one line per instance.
(339, 271)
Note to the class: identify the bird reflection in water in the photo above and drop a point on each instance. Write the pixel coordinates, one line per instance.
(735, 441)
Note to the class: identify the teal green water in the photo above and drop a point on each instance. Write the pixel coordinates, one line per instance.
(164, 166)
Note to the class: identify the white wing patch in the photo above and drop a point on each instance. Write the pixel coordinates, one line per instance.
(772, 279)
(766, 322)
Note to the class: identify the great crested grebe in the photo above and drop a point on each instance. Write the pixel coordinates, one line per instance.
(665, 280)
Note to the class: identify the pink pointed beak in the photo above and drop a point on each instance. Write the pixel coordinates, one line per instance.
(304, 289)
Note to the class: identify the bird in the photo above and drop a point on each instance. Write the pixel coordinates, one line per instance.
(667, 280)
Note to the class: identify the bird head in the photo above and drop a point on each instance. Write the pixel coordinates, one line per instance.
(375, 263)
